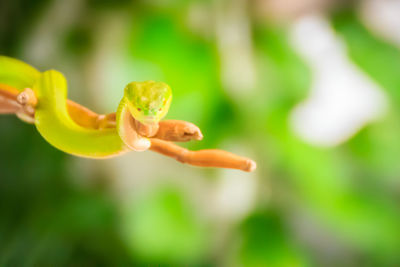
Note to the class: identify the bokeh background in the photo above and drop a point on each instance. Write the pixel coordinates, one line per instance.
(308, 88)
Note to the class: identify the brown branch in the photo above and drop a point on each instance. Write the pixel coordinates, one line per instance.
(22, 104)
(203, 158)
(8, 100)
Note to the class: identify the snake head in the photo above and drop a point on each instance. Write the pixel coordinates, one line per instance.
(148, 101)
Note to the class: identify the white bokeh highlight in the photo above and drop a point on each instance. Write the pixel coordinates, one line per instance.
(342, 99)
(383, 18)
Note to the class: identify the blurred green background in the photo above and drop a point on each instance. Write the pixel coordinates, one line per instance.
(309, 88)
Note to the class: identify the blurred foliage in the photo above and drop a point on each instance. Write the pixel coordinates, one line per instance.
(349, 192)
(265, 242)
(161, 227)
(44, 219)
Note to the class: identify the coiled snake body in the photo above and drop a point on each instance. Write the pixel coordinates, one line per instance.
(137, 125)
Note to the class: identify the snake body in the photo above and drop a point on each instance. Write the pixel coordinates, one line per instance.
(147, 102)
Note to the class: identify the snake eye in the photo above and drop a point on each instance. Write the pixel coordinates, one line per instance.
(139, 109)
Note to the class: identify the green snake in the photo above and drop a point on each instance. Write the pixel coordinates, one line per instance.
(148, 102)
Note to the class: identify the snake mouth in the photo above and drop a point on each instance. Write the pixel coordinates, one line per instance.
(149, 120)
